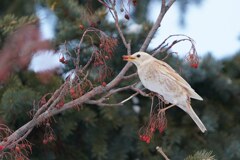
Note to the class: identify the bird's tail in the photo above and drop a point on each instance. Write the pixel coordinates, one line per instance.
(195, 118)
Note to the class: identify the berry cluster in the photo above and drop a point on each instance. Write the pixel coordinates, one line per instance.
(157, 121)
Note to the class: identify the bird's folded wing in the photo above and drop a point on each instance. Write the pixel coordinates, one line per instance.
(172, 74)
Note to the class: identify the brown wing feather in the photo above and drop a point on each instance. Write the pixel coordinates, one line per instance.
(171, 73)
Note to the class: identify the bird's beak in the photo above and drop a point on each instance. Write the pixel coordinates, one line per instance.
(128, 58)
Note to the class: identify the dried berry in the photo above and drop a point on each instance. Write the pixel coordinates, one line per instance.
(62, 60)
(23, 146)
(81, 27)
(51, 138)
(106, 57)
(134, 2)
(126, 16)
(45, 141)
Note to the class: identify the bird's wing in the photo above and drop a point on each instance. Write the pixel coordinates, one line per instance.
(172, 74)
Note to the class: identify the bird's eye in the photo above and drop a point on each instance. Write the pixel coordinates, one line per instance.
(138, 55)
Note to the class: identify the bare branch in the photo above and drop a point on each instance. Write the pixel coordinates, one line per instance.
(130, 76)
(127, 99)
(53, 97)
(157, 24)
(93, 102)
(127, 45)
(104, 3)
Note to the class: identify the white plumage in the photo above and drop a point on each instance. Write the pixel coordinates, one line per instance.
(159, 77)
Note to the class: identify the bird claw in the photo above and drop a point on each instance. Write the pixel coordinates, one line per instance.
(162, 99)
(152, 94)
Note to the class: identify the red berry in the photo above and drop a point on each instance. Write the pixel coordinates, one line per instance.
(110, 52)
(93, 24)
(17, 149)
(194, 65)
(60, 104)
(72, 91)
(101, 62)
(1, 148)
(161, 129)
(104, 84)
(43, 101)
(74, 96)
(19, 158)
(23, 145)
(148, 140)
(152, 129)
(51, 138)
(145, 138)
(81, 27)
(45, 141)
(62, 60)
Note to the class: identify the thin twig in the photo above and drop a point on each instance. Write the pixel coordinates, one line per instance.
(104, 3)
(118, 27)
(98, 103)
(133, 75)
(130, 97)
(157, 24)
(160, 150)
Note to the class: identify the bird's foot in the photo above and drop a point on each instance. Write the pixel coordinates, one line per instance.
(153, 94)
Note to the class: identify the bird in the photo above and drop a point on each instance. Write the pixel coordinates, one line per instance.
(159, 77)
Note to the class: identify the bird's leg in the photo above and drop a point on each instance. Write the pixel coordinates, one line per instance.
(153, 94)
(166, 108)
(188, 103)
(162, 99)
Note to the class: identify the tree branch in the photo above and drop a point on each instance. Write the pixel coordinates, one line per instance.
(48, 110)
(157, 24)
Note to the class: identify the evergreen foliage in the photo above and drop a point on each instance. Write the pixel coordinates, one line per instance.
(10, 23)
(200, 155)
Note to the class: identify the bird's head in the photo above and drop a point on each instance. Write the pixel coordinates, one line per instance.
(137, 58)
